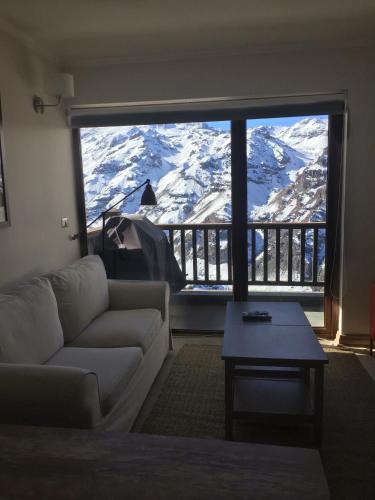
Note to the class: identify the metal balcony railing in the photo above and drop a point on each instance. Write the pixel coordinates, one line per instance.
(291, 254)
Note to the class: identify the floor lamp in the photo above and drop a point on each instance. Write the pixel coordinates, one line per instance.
(148, 198)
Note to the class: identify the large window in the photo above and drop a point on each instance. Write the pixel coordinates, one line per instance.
(193, 167)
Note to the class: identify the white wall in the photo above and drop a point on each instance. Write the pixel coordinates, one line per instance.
(39, 171)
(274, 75)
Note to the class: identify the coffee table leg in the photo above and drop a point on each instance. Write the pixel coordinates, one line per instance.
(306, 375)
(228, 400)
(318, 404)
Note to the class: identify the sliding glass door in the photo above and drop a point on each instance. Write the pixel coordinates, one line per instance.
(286, 210)
(289, 188)
(249, 205)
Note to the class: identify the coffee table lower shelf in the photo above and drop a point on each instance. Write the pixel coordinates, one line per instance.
(274, 371)
(272, 400)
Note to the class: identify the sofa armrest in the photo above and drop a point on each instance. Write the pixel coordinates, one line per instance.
(48, 395)
(129, 294)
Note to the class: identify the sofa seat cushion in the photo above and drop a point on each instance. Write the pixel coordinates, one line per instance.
(30, 329)
(114, 368)
(81, 291)
(136, 327)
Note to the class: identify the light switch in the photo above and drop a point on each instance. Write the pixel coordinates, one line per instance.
(64, 222)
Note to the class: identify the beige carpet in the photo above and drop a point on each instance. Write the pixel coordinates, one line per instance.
(191, 403)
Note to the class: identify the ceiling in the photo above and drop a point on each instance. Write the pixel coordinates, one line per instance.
(85, 32)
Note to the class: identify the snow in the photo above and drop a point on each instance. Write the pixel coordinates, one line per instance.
(189, 168)
(189, 165)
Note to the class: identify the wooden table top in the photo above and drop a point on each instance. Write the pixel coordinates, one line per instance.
(287, 340)
(45, 463)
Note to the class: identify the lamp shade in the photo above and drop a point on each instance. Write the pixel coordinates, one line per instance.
(148, 196)
(60, 84)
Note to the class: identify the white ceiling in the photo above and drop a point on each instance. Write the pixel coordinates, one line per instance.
(84, 32)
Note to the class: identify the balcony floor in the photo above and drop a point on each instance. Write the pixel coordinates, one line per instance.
(211, 317)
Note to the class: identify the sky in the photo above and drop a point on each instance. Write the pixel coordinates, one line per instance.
(285, 121)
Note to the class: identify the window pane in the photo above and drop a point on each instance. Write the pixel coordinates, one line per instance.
(287, 180)
(189, 165)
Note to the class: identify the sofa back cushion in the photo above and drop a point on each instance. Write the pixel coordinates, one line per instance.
(30, 329)
(82, 294)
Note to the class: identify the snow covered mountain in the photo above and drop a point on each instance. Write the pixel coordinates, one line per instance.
(189, 167)
(190, 170)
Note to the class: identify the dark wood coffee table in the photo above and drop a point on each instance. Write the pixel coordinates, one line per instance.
(267, 367)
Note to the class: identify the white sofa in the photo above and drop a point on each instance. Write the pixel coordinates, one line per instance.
(79, 350)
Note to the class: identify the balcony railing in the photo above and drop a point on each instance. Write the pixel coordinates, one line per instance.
(291, 254)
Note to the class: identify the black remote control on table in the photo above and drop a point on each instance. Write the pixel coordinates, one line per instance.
(256, 316)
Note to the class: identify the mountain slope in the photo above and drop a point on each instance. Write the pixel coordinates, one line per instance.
(189, 167)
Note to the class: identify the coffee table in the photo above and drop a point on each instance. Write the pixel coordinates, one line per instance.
(267, 367)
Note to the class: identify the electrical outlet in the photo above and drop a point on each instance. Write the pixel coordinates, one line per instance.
(64, 222)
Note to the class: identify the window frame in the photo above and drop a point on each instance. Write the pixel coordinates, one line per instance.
(238, 118)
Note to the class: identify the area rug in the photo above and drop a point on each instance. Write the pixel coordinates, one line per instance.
(191, 404)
